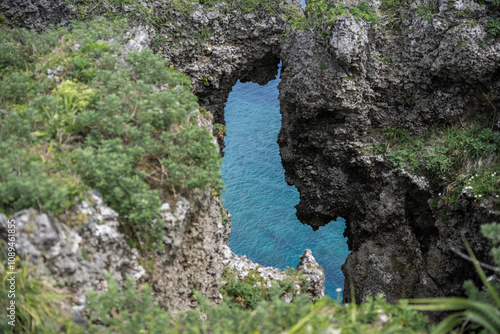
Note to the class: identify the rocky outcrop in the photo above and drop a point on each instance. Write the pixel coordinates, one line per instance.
(79, 252)
(76, 254)
(336, 92)
(218, 47)
(307, 267)
(36, 14)
(316, 276)
(195, 239)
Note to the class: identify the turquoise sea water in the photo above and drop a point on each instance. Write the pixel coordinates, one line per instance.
(262, 205)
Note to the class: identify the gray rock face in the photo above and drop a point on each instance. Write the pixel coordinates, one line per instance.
(316, 276)
(334, 96)
(217, 48)
(307, 267)
(78, 256)
(348, 40)
(195, 239)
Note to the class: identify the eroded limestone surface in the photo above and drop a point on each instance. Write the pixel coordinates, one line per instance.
(337, 92)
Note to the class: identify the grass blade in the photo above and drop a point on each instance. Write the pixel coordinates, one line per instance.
(481, 273)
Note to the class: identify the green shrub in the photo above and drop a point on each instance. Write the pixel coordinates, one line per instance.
(128, 131)
(37, 302)
(427, 12)
(322, 16)
(467, 159)
(494, 26)
(125, 310)
(364, 12)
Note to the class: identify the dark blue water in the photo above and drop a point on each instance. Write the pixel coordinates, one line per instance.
(262, 205)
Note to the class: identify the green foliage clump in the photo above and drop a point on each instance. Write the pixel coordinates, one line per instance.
(322, 16)
(465, 159)
(364, 12)
(384, 59)
(492, 232)
(126, 310)
(494, 26)
(112, 10)
(253, 289)
(427, 12)
(128, 131)
(394, 11)
(259, 7)
(245, 293)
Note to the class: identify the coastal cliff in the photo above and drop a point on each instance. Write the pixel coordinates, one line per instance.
(348, 93)
(366, 93)
(94, 235)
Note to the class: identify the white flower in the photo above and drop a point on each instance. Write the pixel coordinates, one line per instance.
(480, 196)
(383, 318)
(339, 289)
(439, 194)
(476, 175)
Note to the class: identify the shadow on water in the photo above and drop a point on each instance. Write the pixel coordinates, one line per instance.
(265, 227)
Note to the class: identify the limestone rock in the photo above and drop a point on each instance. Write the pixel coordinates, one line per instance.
(348, 40)
(334, 97)
(195, 238)
(37, 14)
(77, 258)
(315, 274)
(307, 267)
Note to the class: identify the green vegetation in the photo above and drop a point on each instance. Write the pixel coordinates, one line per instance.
(383, 59)
(37, 302)
(128, 310)
(74, 116)
(322, 16)
(427, 12)
(258, 7)
(111, 10)
(202, 34)
(219, 130)
(129, 131)
(253, 289)
(455, 159)
(138, 12)
(481, 311)
(494, 26)
(394, 11)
